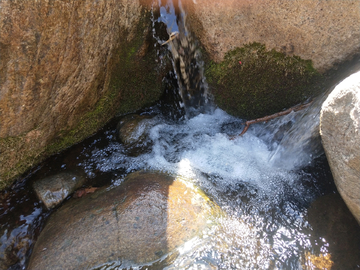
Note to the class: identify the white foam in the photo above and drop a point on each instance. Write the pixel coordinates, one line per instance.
(200, 146)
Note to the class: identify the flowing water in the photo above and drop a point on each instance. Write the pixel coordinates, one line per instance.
(265, 181)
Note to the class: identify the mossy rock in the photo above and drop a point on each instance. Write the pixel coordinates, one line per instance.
(139, 71)
(253, 82)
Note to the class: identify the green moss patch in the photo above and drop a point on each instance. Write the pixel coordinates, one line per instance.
(252, 82)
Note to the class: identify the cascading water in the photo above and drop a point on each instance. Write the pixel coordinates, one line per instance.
(186, 60)
(263, 180)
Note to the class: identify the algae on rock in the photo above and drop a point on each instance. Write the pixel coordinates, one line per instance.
(252, 82)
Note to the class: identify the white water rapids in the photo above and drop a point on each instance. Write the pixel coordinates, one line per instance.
(264, 201)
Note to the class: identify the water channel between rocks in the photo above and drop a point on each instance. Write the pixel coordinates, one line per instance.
(270, 223)
(282, 210)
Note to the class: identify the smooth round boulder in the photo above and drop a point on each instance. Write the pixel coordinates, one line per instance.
(340, 135)
(142, 220)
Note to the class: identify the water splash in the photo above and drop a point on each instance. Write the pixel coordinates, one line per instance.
(264, 202)
(301, 143)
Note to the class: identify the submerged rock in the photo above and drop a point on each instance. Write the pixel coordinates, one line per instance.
(340, 134)
(132, 128)
(335, 235)
(132, 131)
(141, 221)
(54, 189)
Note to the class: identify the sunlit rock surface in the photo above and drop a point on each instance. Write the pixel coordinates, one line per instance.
(142, 220)
(340, 134)
(57, 66)
(264, 56)
(324, 31)
(54, 189)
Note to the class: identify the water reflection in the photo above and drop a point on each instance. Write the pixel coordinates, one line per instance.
(21, 217)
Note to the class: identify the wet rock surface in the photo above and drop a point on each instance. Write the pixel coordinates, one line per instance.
(340, 134)
(54, 189)
(132, 128)
(142, 220)
(133, 131)
(20, 216)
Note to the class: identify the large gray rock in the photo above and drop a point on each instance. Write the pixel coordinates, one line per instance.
(340, 134)
(139, 222)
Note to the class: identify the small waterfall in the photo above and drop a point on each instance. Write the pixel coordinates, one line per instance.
(186, 60)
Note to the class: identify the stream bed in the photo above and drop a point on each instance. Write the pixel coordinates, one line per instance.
(285, 215)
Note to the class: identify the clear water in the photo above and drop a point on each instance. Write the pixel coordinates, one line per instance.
(265, 204)
(266, 225)
(185, 57)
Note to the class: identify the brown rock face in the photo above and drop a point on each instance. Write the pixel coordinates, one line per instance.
(324, 31)
(340, 134)
(56, 58)
(139, 222)
(57, 62)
